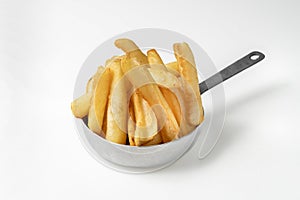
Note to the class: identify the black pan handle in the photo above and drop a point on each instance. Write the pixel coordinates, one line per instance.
(233, 69)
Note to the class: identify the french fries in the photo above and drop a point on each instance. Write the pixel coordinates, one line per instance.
(138, 100)
(166, 80)
(170, 87)
(150, 90)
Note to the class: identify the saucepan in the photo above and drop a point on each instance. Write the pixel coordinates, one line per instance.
(134, 159)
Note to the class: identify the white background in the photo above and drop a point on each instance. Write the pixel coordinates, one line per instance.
(42, 46)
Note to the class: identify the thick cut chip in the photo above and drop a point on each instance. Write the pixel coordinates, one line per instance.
(101, 93)
(187, 68)
(80, 106)
(116, 128)
(146, 122)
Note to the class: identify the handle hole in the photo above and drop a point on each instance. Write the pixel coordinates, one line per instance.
(254, 57)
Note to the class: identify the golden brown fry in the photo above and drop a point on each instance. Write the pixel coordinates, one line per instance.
(90, 87)
(92, 121)
(150, 92)
(187, 68)
(173, 103)
(101, 93)
(117, 104)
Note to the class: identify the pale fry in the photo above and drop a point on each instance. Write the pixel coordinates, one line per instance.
(173, 67)
(116, 129)
(159, 71)
(156, 140)
(133, 53)
(187, 68)
(155, 60)
(80, 106)
(92, 121)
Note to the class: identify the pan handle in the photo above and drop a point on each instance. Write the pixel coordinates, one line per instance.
(233, 69)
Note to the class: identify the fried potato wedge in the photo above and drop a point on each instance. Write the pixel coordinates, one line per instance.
(187, 68)
(116, 128)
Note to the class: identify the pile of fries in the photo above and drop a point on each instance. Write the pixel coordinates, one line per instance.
(138, 100)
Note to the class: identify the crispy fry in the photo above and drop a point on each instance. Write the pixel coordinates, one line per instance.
(92, 121)
(116, 108)
(173, 103)
(187, 68)
(150, 92)
(101, 93)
